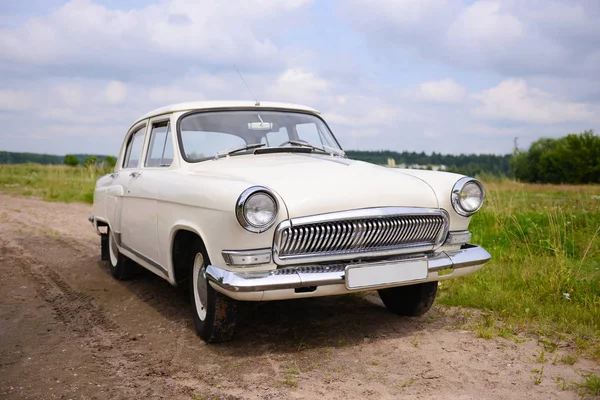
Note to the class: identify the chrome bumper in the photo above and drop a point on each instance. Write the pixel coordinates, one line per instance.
(236, 284)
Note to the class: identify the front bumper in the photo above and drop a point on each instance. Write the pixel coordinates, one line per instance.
(323, 280)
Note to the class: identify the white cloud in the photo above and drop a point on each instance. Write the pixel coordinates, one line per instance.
(85, 69)
(115, 92)
(299, 85)
(70, 93)
(510, 37)
(14, 100)
(442, 91)
(431, 134)
(70, 115)
(367, 111)
(485, 23)
(82, 32)
(170, 94)
(115, 131)
(405, 15)
(514, 100)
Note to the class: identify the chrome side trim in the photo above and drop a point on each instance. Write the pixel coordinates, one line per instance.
(380, 229)
(117, 236)
(143, 258)
(304, 276)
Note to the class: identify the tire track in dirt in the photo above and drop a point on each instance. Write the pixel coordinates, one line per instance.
(73, 308)
(110, 348)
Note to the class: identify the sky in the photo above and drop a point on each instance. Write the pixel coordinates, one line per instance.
(448, 76)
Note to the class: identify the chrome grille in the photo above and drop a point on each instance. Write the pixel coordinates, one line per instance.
(373, 234)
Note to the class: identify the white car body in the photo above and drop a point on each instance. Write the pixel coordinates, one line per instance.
(145, 208)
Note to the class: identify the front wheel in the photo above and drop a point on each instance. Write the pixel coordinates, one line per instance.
(214, 313)
(410, 301)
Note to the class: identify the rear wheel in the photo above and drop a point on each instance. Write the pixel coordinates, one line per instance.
(214, 313)
(121, 267)
(410, 301)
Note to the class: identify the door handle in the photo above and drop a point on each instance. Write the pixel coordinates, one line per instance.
(114, 175)
(135, 174)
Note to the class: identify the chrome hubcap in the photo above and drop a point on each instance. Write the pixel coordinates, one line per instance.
(200, 286)
(112, 250)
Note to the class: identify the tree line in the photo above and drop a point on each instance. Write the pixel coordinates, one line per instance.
(574, 158)
(467, 164)
(73, 160)
(9, 157)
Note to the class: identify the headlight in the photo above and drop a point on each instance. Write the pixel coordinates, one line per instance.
(256, 209)
(467, 196)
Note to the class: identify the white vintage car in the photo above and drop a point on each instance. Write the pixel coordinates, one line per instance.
(247, 201)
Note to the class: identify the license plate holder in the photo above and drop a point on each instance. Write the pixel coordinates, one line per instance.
(386, 273)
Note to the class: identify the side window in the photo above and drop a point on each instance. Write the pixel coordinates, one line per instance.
(309, 133)
(160, 153)
(134, 149)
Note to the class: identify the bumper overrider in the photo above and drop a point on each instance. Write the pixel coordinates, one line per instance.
(330, 279)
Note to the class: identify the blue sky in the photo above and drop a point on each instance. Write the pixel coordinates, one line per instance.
(421, 75)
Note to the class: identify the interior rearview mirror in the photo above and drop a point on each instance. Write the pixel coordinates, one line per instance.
(260, 126)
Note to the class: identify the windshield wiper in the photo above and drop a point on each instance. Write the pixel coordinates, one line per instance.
(229, 152)
(340, 153)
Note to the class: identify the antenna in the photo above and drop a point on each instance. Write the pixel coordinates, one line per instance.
(246, 83)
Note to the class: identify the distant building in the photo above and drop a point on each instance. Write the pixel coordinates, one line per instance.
(391, 163)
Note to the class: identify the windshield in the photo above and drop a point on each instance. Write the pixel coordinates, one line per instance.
(207, 135)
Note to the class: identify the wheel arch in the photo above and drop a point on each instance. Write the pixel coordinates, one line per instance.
(181, 237)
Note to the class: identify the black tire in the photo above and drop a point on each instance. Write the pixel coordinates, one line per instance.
(121, 267)
(214, 313)
(409, 301)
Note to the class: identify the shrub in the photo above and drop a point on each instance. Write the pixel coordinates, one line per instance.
(71, 160)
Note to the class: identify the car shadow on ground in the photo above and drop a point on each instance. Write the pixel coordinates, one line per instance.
(290, 325)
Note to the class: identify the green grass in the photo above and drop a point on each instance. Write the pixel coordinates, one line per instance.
(544, 276)
(590, 386)
(50, 182)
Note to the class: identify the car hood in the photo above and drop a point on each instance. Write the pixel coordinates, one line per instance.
(311, 184)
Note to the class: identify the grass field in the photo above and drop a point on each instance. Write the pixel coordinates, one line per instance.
(50, 182)
(544, 277)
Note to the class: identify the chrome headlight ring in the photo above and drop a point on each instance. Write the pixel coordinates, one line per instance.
(241, 212)
(457, 192)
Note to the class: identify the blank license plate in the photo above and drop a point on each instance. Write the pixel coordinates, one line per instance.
(362, 276)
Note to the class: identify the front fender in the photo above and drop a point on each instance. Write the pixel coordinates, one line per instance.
(442, 184)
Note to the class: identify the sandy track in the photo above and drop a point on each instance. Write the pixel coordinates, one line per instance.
(68, 330)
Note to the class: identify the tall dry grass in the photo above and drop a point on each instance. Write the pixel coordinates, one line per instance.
(51, 182)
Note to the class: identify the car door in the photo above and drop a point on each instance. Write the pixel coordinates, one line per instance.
(138, 214)
(154, 178)
(120, 180)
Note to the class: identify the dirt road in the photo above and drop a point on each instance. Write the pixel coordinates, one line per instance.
(69, 331)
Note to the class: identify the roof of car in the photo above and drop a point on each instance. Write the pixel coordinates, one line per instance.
(205, 105)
